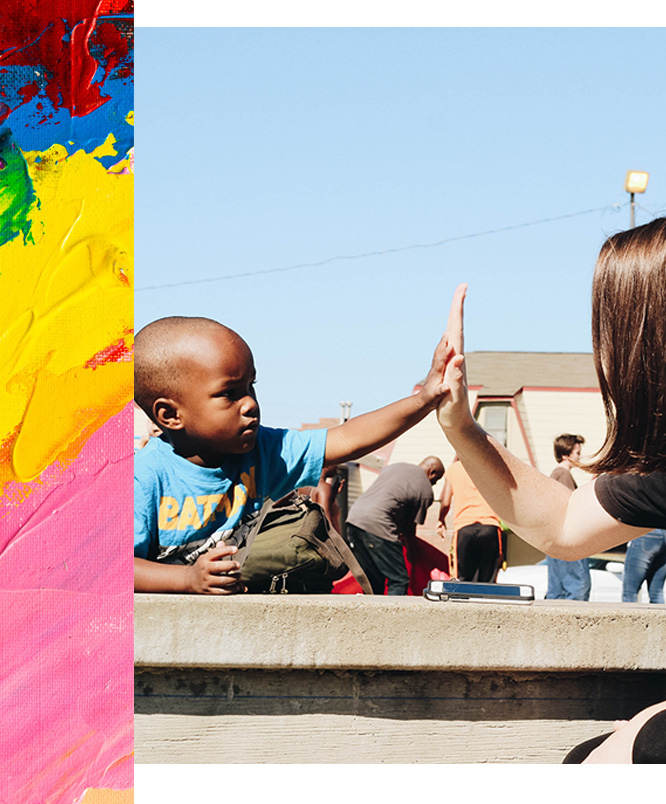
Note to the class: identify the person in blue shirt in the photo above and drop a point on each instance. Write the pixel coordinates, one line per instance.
(214, 464)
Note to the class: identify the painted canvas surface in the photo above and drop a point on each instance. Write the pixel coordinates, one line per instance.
(66, 319)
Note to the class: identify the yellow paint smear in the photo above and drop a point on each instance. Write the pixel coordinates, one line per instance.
(64, 300)
(108, 797)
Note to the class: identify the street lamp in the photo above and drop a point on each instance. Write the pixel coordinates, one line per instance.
(635, 182)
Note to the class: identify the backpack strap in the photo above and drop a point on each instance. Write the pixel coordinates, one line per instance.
(352, 562)
(335, 543)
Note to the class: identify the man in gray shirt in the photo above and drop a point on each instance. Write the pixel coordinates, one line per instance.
(385, 516)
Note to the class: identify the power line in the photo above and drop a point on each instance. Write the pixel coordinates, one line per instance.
(383, 252)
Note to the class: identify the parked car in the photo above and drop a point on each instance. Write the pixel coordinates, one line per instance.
(605, 575)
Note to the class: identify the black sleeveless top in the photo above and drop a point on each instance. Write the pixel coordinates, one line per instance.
(632, 499)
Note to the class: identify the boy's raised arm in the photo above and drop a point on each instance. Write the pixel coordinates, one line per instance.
(362, 434)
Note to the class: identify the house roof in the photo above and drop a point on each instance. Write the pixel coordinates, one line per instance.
(505, 373)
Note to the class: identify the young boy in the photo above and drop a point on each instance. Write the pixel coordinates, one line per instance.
(214, 464)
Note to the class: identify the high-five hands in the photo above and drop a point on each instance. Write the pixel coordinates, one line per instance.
(443, 374)
(453, 410)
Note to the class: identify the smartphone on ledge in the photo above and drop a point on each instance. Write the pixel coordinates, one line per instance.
(478, 592)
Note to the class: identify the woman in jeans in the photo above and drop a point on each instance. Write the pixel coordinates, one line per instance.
(645, 561)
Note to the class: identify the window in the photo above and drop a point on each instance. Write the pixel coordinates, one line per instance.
(492, 416)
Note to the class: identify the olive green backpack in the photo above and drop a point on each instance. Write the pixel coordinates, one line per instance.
(296, 549)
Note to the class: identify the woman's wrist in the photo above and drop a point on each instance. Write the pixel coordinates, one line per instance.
(463, 426)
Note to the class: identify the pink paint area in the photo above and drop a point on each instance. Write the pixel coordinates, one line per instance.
(73, 530)
(66, 694)
(66, 630)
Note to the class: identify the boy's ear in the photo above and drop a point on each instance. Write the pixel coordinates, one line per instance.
(165, 412)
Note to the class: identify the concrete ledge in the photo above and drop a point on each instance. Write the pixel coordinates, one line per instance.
(318, 632)
(346, 679)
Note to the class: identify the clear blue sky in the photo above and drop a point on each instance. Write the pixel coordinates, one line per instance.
(264, 148)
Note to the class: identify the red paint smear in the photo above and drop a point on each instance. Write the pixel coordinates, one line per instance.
(7, 444)
(56, 35)
(117, 7)
(114, 44)
(117, 352)
(29, 91)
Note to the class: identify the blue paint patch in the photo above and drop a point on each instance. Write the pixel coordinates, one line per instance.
(37, 125)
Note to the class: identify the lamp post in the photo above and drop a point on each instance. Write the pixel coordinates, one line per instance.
(635, 182)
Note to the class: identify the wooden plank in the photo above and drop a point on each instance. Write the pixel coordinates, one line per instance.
(343, 739)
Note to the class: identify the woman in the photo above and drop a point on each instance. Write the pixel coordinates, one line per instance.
(628, 497)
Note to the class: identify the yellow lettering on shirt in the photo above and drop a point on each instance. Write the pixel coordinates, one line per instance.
(168, 513)
(224, 506)
(210, 503)
(238, 495)
(240, 498)
(189, 515)
(248, 480)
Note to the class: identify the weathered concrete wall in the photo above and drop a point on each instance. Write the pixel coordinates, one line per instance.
(367, 680)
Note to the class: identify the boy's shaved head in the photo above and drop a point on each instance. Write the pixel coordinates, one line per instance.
(161, 352)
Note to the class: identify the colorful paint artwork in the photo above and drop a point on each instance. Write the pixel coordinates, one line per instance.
(66, 324)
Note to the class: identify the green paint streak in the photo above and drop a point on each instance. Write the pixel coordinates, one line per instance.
(17, 196)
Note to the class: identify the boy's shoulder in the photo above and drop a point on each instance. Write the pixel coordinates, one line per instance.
(287, 444)
(154, 464)
(158, 461)
(277, 436)
(153, 454)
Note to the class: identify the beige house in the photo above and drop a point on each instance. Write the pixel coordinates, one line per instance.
(525, 400)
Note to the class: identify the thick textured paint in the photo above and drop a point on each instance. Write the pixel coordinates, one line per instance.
(67, 718)
(67, 299)
(60, 35)
(65, 412)
(17, 195)
(66, 629)
(37, 128)
(108, 797)
(93, 489)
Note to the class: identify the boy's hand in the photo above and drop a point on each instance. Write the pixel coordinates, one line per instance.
(435, 388)
(210, 573)
(453, 410)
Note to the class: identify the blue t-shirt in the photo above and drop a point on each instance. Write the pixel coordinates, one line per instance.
(177, 502)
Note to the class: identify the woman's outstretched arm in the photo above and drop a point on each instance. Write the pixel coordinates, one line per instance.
(543, 512)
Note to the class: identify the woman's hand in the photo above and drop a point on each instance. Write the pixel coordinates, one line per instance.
(453, 411)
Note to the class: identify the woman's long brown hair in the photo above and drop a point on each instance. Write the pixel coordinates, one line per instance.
(629, 341)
